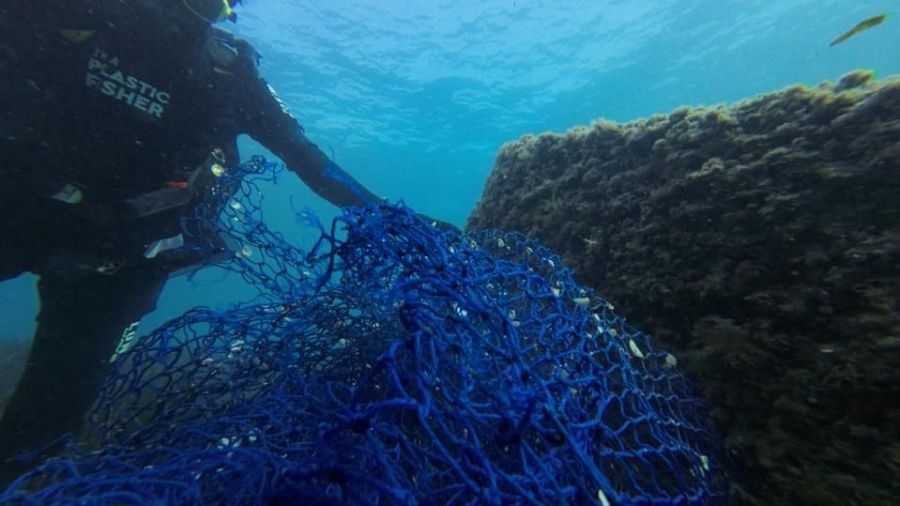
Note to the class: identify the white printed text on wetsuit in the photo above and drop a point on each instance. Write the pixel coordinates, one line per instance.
(103, 75)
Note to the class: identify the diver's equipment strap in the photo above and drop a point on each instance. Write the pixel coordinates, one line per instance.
(160, 200)
(173, 251)
(226, 51)
(221, 52)
(177, 193)
(247, 51)
(163, 245)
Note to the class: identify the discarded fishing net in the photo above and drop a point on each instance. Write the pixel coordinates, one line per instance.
(390, 363)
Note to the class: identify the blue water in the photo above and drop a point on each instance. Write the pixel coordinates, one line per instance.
(414, 98)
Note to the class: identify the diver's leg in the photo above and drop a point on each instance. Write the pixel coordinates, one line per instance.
(20, 244)
(15, 254)
(11, 266)
(79, 326)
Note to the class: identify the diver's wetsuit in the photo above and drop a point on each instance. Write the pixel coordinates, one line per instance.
(105, 102)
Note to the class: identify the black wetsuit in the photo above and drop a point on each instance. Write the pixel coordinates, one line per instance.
(106, 102)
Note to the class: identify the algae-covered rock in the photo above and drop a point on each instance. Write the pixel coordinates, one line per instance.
(760, 243)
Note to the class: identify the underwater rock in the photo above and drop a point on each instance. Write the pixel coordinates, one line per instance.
(759, 242)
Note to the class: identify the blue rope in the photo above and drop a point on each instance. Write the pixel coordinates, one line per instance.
(390, 363)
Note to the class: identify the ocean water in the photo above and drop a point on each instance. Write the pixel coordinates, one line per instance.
(414, 98)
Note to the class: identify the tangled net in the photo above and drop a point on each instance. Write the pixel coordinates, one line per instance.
(391, 363)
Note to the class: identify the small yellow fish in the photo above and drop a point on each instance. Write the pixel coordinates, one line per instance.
(863, 25)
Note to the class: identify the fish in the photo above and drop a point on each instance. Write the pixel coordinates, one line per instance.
(861, 26)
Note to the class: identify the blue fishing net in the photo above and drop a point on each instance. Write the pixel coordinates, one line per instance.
(389, 363)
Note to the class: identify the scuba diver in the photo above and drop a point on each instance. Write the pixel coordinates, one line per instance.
(116, 118)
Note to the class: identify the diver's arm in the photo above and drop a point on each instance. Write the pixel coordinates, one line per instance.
(319, 172)
(269, 122)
